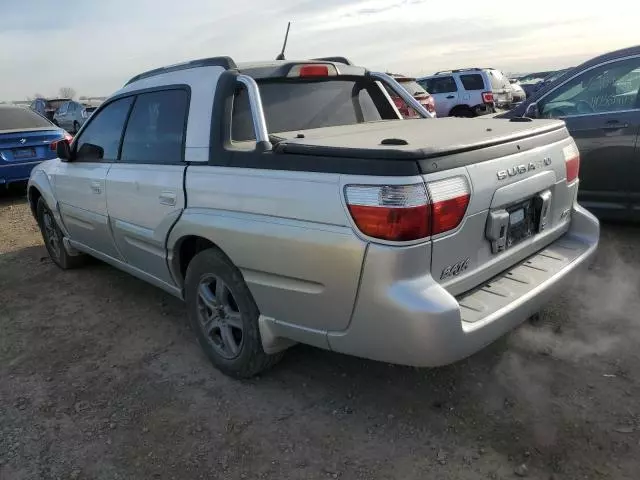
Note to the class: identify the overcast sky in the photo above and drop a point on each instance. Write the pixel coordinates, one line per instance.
(95, 46)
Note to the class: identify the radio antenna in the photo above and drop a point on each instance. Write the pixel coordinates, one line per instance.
(284, 45)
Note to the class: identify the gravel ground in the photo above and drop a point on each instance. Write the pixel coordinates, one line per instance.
(100, 377)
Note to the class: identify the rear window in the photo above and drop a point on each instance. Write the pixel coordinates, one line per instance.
(302, 105)
(412, 87)
(498, 81)
(440, 85)
(13, 118)
(55, 104)
(472, 81)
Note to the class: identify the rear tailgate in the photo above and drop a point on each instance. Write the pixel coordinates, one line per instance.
(27, 146)
(520, 202)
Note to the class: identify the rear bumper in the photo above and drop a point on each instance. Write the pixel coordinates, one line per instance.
(16, 172)
(417, 322)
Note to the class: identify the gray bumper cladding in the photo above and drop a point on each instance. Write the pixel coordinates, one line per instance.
(415, 321)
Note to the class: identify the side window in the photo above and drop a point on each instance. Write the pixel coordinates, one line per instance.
(156, 128)
(100, 139)
(442, 85)
(608, 88)
(472, 81)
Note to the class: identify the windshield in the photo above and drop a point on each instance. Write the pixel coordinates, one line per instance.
(412, 87)
(14, 118)
(291, 105)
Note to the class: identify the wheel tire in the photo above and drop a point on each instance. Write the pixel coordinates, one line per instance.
(207, 313)
(52, 236)
(462, 112)
(76, 127)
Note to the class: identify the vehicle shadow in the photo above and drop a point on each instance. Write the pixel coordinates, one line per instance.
(13, 194)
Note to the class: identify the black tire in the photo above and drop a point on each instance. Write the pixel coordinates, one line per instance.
(52, 236)
(76, 127)
(463, 112)
(210, 271)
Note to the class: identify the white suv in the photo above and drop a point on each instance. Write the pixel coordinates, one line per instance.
(468, 92)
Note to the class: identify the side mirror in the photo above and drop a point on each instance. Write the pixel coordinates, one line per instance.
(63, 150)
(532, 110)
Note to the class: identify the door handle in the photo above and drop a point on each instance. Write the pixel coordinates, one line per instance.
(451, 96)
(168, 198)
(615, 125)
(96, 187)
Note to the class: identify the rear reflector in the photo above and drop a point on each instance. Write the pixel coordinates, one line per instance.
(313, 70)
(572, 162)
(403, 212)
(487, 97)
(390, 212)
(450, 199)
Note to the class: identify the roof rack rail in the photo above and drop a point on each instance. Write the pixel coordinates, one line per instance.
(458, 70)
(226, 62)
(336, 59)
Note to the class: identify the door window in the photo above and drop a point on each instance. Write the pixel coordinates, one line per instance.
(156, 129)
(441, 85)
(611, 87)
(100, 139)
(63, 109)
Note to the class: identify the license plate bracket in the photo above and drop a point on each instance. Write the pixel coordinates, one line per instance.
(522, 222)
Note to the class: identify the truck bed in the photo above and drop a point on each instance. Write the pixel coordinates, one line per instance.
(421, 139)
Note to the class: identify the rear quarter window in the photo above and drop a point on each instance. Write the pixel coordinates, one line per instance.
(472, 82)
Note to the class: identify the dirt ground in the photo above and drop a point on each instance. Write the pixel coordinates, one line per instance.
(101, 378)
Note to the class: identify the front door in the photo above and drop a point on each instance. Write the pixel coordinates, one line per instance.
(145, 194)
(80, 184)
(600, 108)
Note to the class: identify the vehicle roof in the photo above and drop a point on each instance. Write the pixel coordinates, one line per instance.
(260, 69)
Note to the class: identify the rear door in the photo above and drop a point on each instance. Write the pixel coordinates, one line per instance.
(444, 91)
(601, 110)
(80, 185)
(145, 193)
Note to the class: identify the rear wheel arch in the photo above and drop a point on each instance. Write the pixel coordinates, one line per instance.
(188, 247)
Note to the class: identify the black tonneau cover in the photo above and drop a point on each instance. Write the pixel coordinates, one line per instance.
(421, 138)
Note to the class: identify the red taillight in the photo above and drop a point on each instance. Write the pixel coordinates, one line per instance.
(449, 199)
(390, 212)
(67, 138)
(429, 104)
(572, 162)
(487, 97)
(404, 212)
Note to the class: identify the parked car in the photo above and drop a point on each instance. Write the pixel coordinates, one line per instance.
(518, 94)
(72, 115)
(26, 139)
(419, 93)
(468, 92)
(289, 212)
(47, 107)
(534, 82)
(599, 102)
